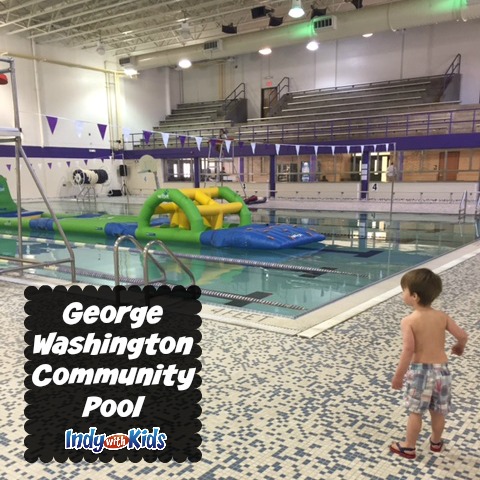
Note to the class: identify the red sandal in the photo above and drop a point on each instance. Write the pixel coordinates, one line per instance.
(436, 447)
(404, 452)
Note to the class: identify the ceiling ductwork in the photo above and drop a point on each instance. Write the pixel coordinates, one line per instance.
(405, 14)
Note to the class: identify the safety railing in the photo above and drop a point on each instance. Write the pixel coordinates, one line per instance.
(453, 69)
(275, 95)
(435, 122)
(238, 92)
(462, 209)
(146, 254)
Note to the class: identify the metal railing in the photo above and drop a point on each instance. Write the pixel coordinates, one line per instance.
(434, 122)
(145, 252)
(238, 92)
(462, 209)
(283, 87)
(453, 69)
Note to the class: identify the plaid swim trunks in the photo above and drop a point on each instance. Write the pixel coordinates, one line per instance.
(428, 387)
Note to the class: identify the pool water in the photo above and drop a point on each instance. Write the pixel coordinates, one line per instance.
(360, 250)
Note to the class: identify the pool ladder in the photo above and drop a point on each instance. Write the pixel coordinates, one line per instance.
(145, 251)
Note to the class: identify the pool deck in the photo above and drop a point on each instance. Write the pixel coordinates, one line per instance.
(309, 404)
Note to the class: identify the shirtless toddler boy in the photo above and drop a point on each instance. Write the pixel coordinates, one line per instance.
(423, 362)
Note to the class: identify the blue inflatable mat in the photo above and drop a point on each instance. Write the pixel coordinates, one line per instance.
(262, 237)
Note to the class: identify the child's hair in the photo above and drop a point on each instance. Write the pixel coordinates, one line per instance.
(426, 284)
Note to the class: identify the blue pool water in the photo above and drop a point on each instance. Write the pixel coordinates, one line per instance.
(360, 250)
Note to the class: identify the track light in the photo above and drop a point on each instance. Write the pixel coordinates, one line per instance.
(297, 10)
(259, 12)
(185, 31)
(275, 21)
(357, 3)
(312, 46)
(230, 29)
(100, 48)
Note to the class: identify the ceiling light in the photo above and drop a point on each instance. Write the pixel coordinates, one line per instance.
(230, 29)
(265, 51)
(185, 63)
(100, 48)
(185, 31)
(367, 35)
(296, 11)
(130, 71)
(275, 21)
(318, 12)
(312, 46)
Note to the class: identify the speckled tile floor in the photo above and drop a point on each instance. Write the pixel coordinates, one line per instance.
(281, 406)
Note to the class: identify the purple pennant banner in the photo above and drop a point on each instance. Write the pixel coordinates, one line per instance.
(102, 129)
(146, 136)
(182, 139)
(9, 166)
(86, 161)
(52, 123)
(49, 165)
(68, 163)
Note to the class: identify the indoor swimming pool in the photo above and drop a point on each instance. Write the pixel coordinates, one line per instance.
(360, 250)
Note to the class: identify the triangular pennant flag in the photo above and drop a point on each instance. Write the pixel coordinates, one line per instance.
(253, 145)
(277, 148)
(227, 144)
(52, 123)
(146, 136)
(165, 138)
(199, 141)
(315, 149)
(374, 148)
(348, 148)
(102, 129)
(333, 149)
(86, 161)
(297, 148)
(103, 160)
(68, 163)
(361, 148)
(182, 139)
(9, 166)
(49, 165)
(79, 126)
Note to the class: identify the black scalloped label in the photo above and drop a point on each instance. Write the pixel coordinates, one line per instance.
(112, 373)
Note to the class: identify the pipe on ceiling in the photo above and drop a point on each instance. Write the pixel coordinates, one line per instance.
(394, 16)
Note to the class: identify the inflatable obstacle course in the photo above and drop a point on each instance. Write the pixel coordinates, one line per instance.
(194, 215)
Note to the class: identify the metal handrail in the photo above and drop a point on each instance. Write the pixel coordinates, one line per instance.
(146, 251)
(454, 68)
(284, 83)
(477, 207)
(141, 249)
(462, 209)
(235, 94)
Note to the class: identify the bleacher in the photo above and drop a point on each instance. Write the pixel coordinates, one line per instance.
(354, 111)
(195, 117)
